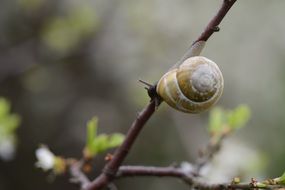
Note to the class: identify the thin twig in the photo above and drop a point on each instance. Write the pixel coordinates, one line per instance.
(77, 175)
(111, 167)
(177, 172)
(148, 171)
(207, 155)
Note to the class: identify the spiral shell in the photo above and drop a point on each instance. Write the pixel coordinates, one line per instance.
(192, 87)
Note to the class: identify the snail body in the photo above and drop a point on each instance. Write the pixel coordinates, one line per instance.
(192, 87)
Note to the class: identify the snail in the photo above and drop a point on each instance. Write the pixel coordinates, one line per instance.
(193, 86)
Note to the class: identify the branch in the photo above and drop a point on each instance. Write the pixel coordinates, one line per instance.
(188, 178)
(111, 167)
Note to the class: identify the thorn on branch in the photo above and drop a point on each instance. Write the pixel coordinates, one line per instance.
(216, 29)
(109, 157)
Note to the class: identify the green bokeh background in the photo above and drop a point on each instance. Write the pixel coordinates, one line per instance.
(64, 61)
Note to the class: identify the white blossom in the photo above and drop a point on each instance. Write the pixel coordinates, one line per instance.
(7, 149)
(46, 159)
(186, 167)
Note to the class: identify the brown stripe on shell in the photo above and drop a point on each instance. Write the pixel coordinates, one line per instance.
(167, 89)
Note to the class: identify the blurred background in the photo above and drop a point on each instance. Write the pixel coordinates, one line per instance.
(64, 61)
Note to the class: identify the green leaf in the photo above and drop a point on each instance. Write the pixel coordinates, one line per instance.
(11, 123)
(99, 143)
(104, 142)
(216, 120)
(239, 117)
(223, 121)
(281, 179)
(8, 122)
(116, 140)
(91, 132)
(4, 107)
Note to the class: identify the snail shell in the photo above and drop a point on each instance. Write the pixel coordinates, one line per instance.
(192, 87)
